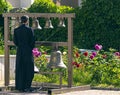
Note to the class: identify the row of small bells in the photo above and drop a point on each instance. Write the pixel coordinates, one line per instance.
(48, 24)
(56, 55)
(36, 25)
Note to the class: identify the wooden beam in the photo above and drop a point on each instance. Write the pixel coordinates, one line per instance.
(45, 15)
(43, 43)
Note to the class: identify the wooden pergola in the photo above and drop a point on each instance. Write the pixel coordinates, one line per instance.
(69, 42)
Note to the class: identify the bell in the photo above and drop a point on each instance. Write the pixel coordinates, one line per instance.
(36, 70)
(48, 24)
(61, 23)
(35, 24)
(56, 60)
(17, 22)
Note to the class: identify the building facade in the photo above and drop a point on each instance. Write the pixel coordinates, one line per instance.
(20, 3)
(27, 3)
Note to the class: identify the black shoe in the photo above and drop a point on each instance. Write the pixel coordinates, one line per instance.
(28, 90)
(20, 90)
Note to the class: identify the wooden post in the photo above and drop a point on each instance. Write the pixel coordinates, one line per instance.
(6, 56)
(70, 44)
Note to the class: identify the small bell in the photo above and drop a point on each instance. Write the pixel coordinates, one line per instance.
(61, 23)
(17, 22)
(36, 70)
(35, 24)
(56, 60)
(48, 24)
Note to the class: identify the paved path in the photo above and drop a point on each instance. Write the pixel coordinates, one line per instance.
(13, 93)
(85, 92)
(93, 92)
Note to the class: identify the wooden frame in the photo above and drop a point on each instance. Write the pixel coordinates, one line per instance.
(69, 43)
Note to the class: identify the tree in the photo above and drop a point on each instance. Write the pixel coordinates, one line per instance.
(4, 6)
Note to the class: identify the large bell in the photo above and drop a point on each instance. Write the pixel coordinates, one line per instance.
(35, 24)
(48, 24)
(56, 60)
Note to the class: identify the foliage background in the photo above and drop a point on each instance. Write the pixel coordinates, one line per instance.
(97, 21)
(4, 7)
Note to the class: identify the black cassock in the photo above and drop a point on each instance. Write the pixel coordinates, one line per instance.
(24, 72)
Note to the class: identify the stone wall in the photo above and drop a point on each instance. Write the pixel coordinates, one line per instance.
(12, 67)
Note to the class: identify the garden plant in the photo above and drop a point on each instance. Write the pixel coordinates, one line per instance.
(96, 68)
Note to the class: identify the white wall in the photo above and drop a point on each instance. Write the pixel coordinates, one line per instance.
(26, 3)
(21, 3)
(14, 3)
(12, 67)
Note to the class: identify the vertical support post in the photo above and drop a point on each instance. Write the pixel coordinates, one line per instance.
(6, 55)
(70, 47)
(60, 79)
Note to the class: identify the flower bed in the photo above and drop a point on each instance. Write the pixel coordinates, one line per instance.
(98, 67)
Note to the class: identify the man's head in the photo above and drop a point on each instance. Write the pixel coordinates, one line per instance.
(24, 19)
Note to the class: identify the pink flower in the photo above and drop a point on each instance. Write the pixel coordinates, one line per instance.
(98, 47)
(36, 53)
(92, 56)
(94, 53)
(117, 53)
(35, 49)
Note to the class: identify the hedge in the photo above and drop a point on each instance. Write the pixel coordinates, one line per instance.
(97, 21)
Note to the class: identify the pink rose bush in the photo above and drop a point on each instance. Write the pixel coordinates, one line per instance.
(96, 56)
(96, 67)
(89, 67)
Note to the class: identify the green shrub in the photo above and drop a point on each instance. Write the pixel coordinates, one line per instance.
(97, 21)
(4, 6)
(64, 9)
(43, 6)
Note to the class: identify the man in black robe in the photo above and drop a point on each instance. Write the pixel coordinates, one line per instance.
(24, 40)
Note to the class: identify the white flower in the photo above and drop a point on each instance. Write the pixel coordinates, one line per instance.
(64, 53)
